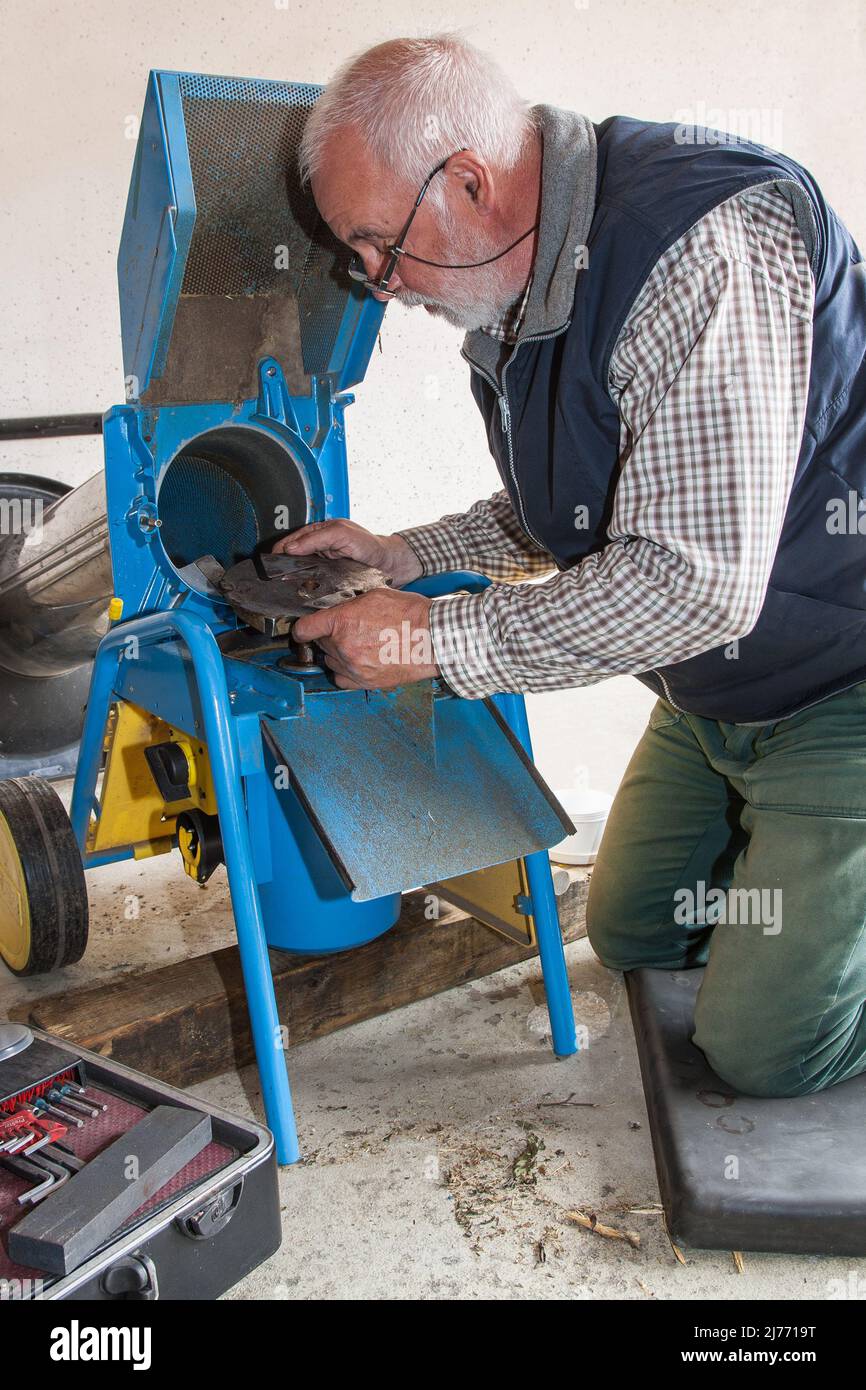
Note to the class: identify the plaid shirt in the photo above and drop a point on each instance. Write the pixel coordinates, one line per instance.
(710, 374)
(508, 327)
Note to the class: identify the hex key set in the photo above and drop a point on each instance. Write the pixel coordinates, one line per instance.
(113, 1186)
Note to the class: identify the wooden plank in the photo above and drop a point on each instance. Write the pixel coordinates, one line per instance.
(187, 1022)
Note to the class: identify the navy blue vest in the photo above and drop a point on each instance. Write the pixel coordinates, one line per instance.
(810, 638)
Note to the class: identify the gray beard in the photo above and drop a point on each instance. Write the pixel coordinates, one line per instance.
(465, 308)
(465, 313)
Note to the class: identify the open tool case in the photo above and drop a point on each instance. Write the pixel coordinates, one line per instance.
(193, 1237)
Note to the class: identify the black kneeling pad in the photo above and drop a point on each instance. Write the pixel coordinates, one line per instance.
(741, 1172)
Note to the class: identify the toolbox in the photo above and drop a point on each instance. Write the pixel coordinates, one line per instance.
(115, 1186)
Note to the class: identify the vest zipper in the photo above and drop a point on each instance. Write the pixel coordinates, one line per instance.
(505, 417)
(670, 699)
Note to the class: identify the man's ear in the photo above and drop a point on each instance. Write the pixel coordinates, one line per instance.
(474, 179)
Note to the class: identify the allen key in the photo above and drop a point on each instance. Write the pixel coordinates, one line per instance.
(34, 1148)
(51, 1166)
(29, 1169)
(58, 1175)
(35, 1194)
(17, 1141)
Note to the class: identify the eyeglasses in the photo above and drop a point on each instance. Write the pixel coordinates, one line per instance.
(397, 249)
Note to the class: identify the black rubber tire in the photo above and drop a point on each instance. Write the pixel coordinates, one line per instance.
(53, 874)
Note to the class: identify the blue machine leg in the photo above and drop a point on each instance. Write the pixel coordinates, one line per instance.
(225, 766)
(552, 954)
(550, 948)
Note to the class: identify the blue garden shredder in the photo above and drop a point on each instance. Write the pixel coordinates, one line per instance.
(205, 731)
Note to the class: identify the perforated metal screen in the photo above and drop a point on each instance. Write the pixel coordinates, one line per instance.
(257, 232)
(222, 493)
(205, 510)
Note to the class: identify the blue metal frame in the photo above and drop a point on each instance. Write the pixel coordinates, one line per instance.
(231, 731)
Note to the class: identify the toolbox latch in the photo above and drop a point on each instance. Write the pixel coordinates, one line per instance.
(214, 1216)
(133, 1277)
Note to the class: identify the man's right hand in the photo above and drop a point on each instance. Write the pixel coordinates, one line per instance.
(345, 539)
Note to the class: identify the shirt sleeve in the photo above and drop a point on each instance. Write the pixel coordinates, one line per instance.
(710, 374)
(487, 538)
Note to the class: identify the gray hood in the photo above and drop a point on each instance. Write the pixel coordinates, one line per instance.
(568, 177)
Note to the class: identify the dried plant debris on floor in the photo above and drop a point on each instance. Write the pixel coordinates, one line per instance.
(495, 1186)
(496, 1195)
(523, 1169)
(590, 1222)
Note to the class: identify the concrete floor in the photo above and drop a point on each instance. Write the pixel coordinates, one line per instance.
(411, 1125)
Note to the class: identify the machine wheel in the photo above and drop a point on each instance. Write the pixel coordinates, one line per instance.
(43, 900)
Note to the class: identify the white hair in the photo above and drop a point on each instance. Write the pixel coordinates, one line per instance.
(414, 102)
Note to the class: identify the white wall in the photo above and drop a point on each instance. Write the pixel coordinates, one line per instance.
(74, 75)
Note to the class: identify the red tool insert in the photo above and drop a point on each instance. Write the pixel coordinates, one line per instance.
(24, 1119)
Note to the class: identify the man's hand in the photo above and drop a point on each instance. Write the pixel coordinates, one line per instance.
(340, 538)
(373, 642)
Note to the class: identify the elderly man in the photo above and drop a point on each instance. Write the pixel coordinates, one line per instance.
(666, 331)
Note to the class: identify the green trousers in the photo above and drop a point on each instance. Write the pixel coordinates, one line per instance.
(743, 848)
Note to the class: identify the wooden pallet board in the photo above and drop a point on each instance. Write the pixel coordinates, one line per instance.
(187, 1022)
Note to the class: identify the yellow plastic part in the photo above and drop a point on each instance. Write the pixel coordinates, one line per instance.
(115, 609)
(153, 847)
(14, 902)
(190, 850)
(493, 895)
(132, 812)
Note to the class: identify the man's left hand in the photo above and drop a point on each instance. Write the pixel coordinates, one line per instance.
(374, 642)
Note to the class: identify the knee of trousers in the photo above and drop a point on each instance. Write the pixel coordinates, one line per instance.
(739, 1059)
(609, 935)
